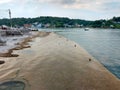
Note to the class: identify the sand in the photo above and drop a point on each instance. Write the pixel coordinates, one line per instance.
(53, 62)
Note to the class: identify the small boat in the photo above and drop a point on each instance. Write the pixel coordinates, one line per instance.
(86, 29)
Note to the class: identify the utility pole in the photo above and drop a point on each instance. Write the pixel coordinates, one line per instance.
(10, 17)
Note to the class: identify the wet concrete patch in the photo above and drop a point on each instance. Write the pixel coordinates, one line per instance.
(2, 62)
(12, 85)
(43, 34)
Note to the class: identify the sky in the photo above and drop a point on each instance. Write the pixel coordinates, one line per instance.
(74, 9)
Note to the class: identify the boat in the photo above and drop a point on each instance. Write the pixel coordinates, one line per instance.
(86, 29)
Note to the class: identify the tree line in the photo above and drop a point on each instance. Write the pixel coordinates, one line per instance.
(63, 21)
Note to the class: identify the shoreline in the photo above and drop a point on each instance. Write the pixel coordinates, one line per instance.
(55, 63)
(20, 45)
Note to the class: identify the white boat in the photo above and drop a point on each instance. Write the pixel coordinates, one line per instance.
(86, 29)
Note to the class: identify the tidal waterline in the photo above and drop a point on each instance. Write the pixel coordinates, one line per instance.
(103, 44)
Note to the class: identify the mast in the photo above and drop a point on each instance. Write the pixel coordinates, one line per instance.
(10, 17)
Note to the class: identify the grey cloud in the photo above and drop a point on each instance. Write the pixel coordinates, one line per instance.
(71, 2)
(92, 5)
(61, 2)
(68, 1)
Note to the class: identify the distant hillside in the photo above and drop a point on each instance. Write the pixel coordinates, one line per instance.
(63, 22)
(111, 23)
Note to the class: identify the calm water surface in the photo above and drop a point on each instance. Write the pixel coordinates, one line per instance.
(103, 44)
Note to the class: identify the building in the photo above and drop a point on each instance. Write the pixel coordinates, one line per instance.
(27, 25)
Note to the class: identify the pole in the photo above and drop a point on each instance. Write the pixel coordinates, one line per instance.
(10, 18)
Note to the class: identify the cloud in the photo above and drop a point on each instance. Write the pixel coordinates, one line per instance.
(5, 1)
(71, 8)
(74, 4)
(98, 6)
(64, 2)
(92, 5)
(60, 2)
(83, 4)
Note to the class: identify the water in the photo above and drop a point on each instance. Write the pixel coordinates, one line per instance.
(12, 85)
(103, 44)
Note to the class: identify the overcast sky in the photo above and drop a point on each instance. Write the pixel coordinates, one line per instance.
(81, 9)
